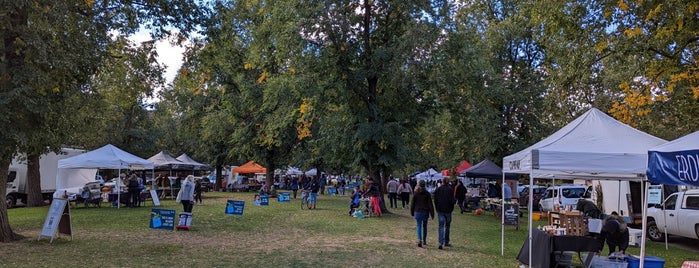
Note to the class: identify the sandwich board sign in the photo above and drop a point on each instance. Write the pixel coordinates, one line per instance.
(57, 220)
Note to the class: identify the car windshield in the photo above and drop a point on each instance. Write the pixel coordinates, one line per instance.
(573, 192)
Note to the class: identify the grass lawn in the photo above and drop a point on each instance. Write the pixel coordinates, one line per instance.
(278, 235)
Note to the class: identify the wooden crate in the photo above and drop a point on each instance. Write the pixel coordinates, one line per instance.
(575, 224)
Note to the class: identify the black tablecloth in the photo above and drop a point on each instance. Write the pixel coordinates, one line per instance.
(543, 246)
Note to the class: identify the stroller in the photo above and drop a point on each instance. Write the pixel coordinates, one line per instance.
(355, 201)
(90, 195)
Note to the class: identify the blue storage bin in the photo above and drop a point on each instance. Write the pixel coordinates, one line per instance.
(650, 262)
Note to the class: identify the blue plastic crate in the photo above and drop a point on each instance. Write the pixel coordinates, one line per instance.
(650, 262)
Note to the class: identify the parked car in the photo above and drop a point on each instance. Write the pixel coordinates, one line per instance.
(563, 196)
(207, 184)
(537, 194)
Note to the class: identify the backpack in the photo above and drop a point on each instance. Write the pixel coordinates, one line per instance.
(133, 183)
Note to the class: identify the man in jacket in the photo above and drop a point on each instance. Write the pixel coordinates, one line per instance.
(444, 204)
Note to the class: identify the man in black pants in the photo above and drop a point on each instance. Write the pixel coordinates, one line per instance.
(615, 233)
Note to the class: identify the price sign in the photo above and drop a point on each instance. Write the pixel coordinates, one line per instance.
(162, 219)
(235, 207)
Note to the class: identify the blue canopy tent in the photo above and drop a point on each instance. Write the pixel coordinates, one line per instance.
(675, 162)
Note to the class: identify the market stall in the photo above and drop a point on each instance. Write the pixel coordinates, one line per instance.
(593, 146)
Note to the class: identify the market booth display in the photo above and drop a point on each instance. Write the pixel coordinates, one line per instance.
(593, 146)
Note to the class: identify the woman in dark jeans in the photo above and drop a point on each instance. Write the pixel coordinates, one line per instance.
(421, 208)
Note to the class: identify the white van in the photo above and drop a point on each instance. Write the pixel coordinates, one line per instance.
(563, 196)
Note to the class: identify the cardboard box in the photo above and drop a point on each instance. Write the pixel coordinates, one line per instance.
(635, 236)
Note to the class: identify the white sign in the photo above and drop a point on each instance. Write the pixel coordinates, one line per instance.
(154, 196)
(655, 194)
(53, 218)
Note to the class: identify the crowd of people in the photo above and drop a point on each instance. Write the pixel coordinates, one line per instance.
(413, 194)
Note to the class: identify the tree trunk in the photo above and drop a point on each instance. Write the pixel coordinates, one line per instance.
(34, 198)
(6, 233)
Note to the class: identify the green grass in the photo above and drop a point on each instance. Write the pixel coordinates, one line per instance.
(280, 234)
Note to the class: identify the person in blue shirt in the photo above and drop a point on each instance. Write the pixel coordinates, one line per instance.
(507, 192)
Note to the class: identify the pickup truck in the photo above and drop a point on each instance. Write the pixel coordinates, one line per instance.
(678, 215)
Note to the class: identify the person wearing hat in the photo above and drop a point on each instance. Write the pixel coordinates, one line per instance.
(615, 233)
(420, 208)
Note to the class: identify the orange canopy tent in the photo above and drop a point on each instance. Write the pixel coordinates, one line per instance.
(250, 167)
(464, 166)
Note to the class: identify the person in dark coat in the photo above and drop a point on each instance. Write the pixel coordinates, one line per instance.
(615, 233)
(460, 195)
(421, 208)
(444, 204)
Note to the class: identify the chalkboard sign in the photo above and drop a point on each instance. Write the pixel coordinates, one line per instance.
(235, 207)
(162, 219)
(57, 219)
(284, 197)
(512, 215)
(264, 200)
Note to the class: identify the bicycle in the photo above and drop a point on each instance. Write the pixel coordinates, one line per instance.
(304, 199)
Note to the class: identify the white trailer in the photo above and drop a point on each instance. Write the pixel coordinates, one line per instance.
(17, 187)
(624, 197)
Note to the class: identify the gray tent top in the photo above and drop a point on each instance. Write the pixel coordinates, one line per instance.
(487, 169)
(164, 161)
(189, 161)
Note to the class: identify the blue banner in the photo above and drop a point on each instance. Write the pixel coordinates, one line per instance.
(284, 197)
(162, 219)
(235, 207)
(264, 200)
(674, 168)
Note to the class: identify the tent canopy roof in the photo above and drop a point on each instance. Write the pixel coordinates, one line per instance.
(250, 167)
(675, 162)
(463, 166)
(163, 160)
(487, 169)
(106, 157)
(189, 161)
(592, 146)
(430, 175)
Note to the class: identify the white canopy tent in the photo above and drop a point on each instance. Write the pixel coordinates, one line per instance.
(293, 171)
(312, 172)
(106, 157)
(593, 146)
(195, 165)
(430, 175)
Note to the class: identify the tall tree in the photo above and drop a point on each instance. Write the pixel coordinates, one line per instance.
(49, 51)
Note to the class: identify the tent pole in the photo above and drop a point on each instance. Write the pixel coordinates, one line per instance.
(531, 209)
(118, 183)
(502, 217)
(644, 223)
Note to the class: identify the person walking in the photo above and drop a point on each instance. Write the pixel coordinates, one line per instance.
(313, 188)
(374, 194)
(444, 204)
(197, 191)
(295, 185)
(460, 195)
(405, 190)
(186, 194)
(421, 208)
(392, 189)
